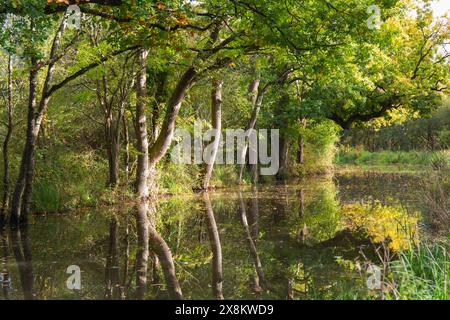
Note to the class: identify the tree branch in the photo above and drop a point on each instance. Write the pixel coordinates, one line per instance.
(89, 67)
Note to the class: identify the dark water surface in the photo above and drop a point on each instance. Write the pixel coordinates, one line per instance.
(275, 242)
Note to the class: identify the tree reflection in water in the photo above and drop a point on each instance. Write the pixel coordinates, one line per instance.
(271, 242)
(216, 248)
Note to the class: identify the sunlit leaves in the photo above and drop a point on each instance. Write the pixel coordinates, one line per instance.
(393, 225)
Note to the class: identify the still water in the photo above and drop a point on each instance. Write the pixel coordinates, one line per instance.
(283, 241)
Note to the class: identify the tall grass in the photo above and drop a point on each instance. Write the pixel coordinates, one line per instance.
(435, 190)
(353, 156)
(422, 273)
(67, 181)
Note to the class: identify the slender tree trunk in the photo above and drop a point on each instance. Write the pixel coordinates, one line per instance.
(256, 96)
(113, 150)
(142, 175)
(216, 248)
(162, 250)
(20, 207)
(16, 204)
(216, 114)
(147, 233)
(284, 157)
(29, 177)
(10, 107)
(126, 258)
(254, 214)
(22, 254)
(112, 276)
(252, 247)
(112, 131)
(255, 170)
(6, 285)
(142, 255)
(126, 136)
(160, 98)
(301, 145)
(301, 194)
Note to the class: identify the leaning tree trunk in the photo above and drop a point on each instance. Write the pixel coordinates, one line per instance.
(256, 97)
(257, 103)
(216, 247)
(160, 98)
(6, 146)
(216, 114)
(252, 246)
(147, 233)
(159, 149)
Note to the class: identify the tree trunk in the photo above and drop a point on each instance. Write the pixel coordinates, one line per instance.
(301, 194)
(252, 247)
(162, 143)
(126, 258)
(147, 230)
(112, 130)
(22, 254)
(6, 286)
(256, 98)
(284, 157)
(142, 252)
(142, 175)
(162, 250)
(160, 98)
(16, 205)
(9, 130)
(126, 136)
(112, 276)
(216, 114)
(216, 248)
(20, 207)
(253, 218)
(301, 145)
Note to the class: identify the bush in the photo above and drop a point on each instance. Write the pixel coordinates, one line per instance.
(320, 147)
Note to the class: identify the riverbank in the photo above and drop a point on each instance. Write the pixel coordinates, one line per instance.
(386, 159)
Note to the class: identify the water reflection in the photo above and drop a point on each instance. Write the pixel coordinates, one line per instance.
(216, 248)
(272, 242)
(4, 276)
(259, 281)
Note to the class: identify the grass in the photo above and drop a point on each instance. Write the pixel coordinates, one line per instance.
(358, 157)
(435, 190)
(422, 273)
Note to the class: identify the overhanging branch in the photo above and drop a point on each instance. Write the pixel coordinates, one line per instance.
(89, 67)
